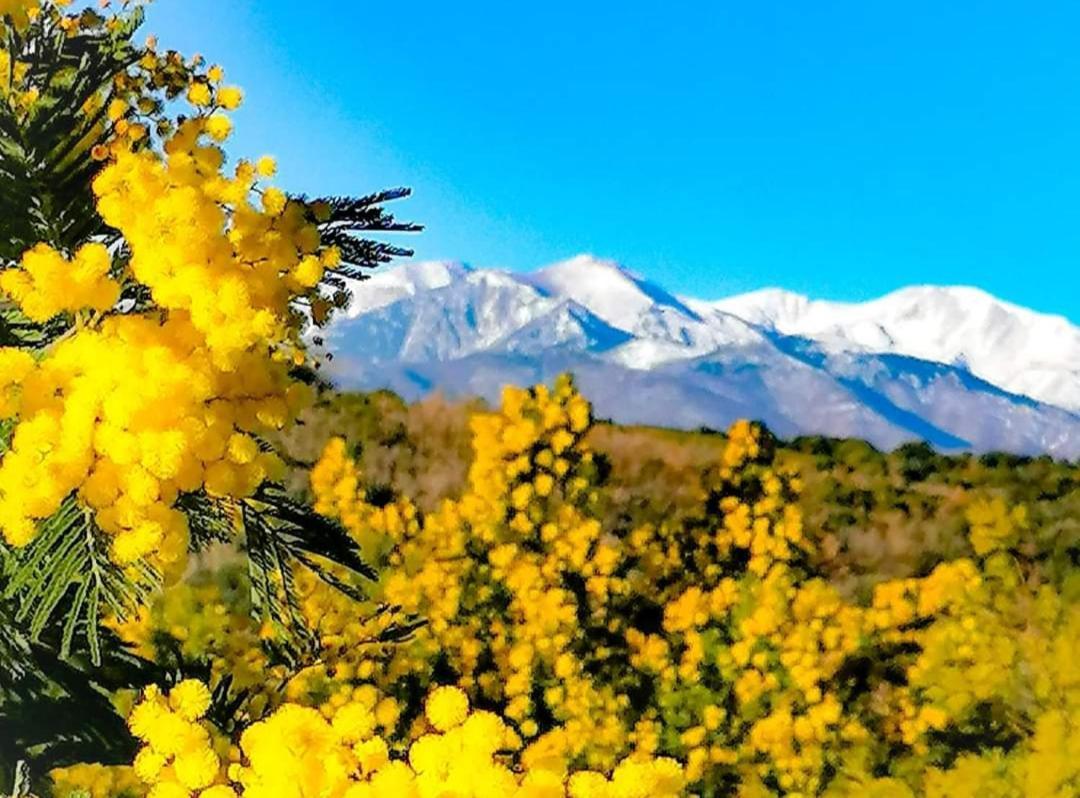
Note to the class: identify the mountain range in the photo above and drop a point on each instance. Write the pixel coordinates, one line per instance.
(953, 366)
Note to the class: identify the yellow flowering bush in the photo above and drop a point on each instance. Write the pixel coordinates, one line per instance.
(301, 752)
(711, 638)
(486, 572)
(131, 409)
(709, 642)
(994, 525)
(155, 324)
(157, 299)
(97, 781)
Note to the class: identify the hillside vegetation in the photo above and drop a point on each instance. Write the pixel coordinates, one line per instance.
(568, 607)
(879, 514)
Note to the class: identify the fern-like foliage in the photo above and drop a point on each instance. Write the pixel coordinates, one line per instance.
(66, 571)
(278, 535)
(346, 222)
(45, 156)
(281, 535)
(56, 711)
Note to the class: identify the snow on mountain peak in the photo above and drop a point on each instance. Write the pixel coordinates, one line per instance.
(767, 306)
(602, 286)
(386, 287)
(610, 291)
(1025, 352)
(953, 365)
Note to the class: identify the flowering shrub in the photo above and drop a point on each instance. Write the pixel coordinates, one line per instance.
(709, 641)
(302, 752)
(131, 409)
(155, 308)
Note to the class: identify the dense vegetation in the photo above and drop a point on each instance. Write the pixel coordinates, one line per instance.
(877, 514)
(220, 579)
(664, 598)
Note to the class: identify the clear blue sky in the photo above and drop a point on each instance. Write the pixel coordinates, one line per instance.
(840, 149)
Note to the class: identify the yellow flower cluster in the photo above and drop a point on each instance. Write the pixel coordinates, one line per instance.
(897, 604)
(48, 284)
(335, 483)
(96, 781)
(993, 525)
(182, 755)
(351, 633)
(228, 267)
(168, 391)
(13, 90)
(300, 752)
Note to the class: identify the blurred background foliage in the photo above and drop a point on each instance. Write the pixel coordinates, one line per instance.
(878, 515)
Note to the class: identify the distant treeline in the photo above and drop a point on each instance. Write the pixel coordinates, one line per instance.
(876, 514)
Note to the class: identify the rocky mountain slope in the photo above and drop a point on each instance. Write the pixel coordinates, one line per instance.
(953, 366)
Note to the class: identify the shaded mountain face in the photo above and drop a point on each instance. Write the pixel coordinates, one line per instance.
(951, 366)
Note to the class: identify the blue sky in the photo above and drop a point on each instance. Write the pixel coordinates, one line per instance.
(840, 149)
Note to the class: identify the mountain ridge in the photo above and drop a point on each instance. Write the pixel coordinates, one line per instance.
(918, 363)
(1026, 352)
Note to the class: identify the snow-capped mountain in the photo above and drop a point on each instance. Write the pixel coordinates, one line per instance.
(1029, 353)
(953, 366)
